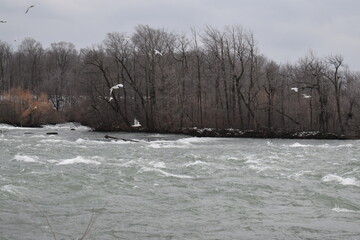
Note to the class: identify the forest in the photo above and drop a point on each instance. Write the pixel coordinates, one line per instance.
(170, 82)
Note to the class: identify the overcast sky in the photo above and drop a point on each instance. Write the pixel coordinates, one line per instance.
(284, 29)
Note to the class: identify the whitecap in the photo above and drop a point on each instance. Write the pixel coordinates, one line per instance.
(11, 127)
(299, 145)
(190, 140)
(69, 125)
(344, 210)
(259, 168)
(157, 164)
(12, 189)
(78, 159)
(26, 158)
(167, 144)
(336, 146)
(147, 169)
(300, 174)
(340, 180)
(49, 140)
(197, 162)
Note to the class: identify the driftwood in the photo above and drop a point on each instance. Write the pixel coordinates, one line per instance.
(117, 138)
(52, 133)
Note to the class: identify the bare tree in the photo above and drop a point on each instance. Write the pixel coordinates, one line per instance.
(271, 86)
(62, 57)
(5, 66)
(97, 58)
(337, 79)
(30, 55)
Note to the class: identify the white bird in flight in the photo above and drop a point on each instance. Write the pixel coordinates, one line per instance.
(295, 89)
(157, 52)
(117, 86)
(27, 10)
(306, 96)
(136, 123)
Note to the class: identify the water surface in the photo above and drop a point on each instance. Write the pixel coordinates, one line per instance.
(175, 187)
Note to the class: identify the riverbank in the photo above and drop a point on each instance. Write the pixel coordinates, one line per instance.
(237, 133)
(214, 132)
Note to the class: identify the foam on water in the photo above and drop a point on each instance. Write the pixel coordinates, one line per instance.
(157, 164)
(340, 180)
(83, 141)
(300, 174)
(190, 140)
(147, 169)
(12, 189)
(70, 125)
(50, 141)
(79, 159)
(299, 145)
(168, 144)
(180, 143)
(326, 145)
(344, 210)
(196, 163)
(11, 127)
(25, 158)
(259, 168)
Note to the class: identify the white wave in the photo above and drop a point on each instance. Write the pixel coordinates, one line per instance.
(78, 159)
(11, 127)
(335, 146)
(157, 164)
(102, 141)
(50, 140)
(12, 189)
(196, 163)
(88, 141)
(70, 125)
(190, 140)
(299, 145)
(344, 210)
(259, 168)
(345, 145)
(340, 180)
(167, 144)
(300, 174)
(147, 169)
(326, 145)
(6, 126)
(180, 143)
(25, 158)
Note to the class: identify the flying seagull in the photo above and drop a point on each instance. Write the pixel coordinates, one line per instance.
(27, 10)
(3, 21)
(157, 52)
(136, 123)
(117, 86)
(295, 89)
(306, 96)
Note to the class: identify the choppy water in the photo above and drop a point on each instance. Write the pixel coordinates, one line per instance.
(175, 187)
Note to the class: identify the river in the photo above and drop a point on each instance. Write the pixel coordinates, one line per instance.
(157, 186)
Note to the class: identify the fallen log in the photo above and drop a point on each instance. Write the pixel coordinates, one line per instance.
(117, 138)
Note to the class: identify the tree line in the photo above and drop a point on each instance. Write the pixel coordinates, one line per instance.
(209, 79)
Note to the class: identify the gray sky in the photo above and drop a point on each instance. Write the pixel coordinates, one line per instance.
(284, 29)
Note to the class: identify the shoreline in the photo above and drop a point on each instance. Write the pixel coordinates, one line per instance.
(221, 133)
